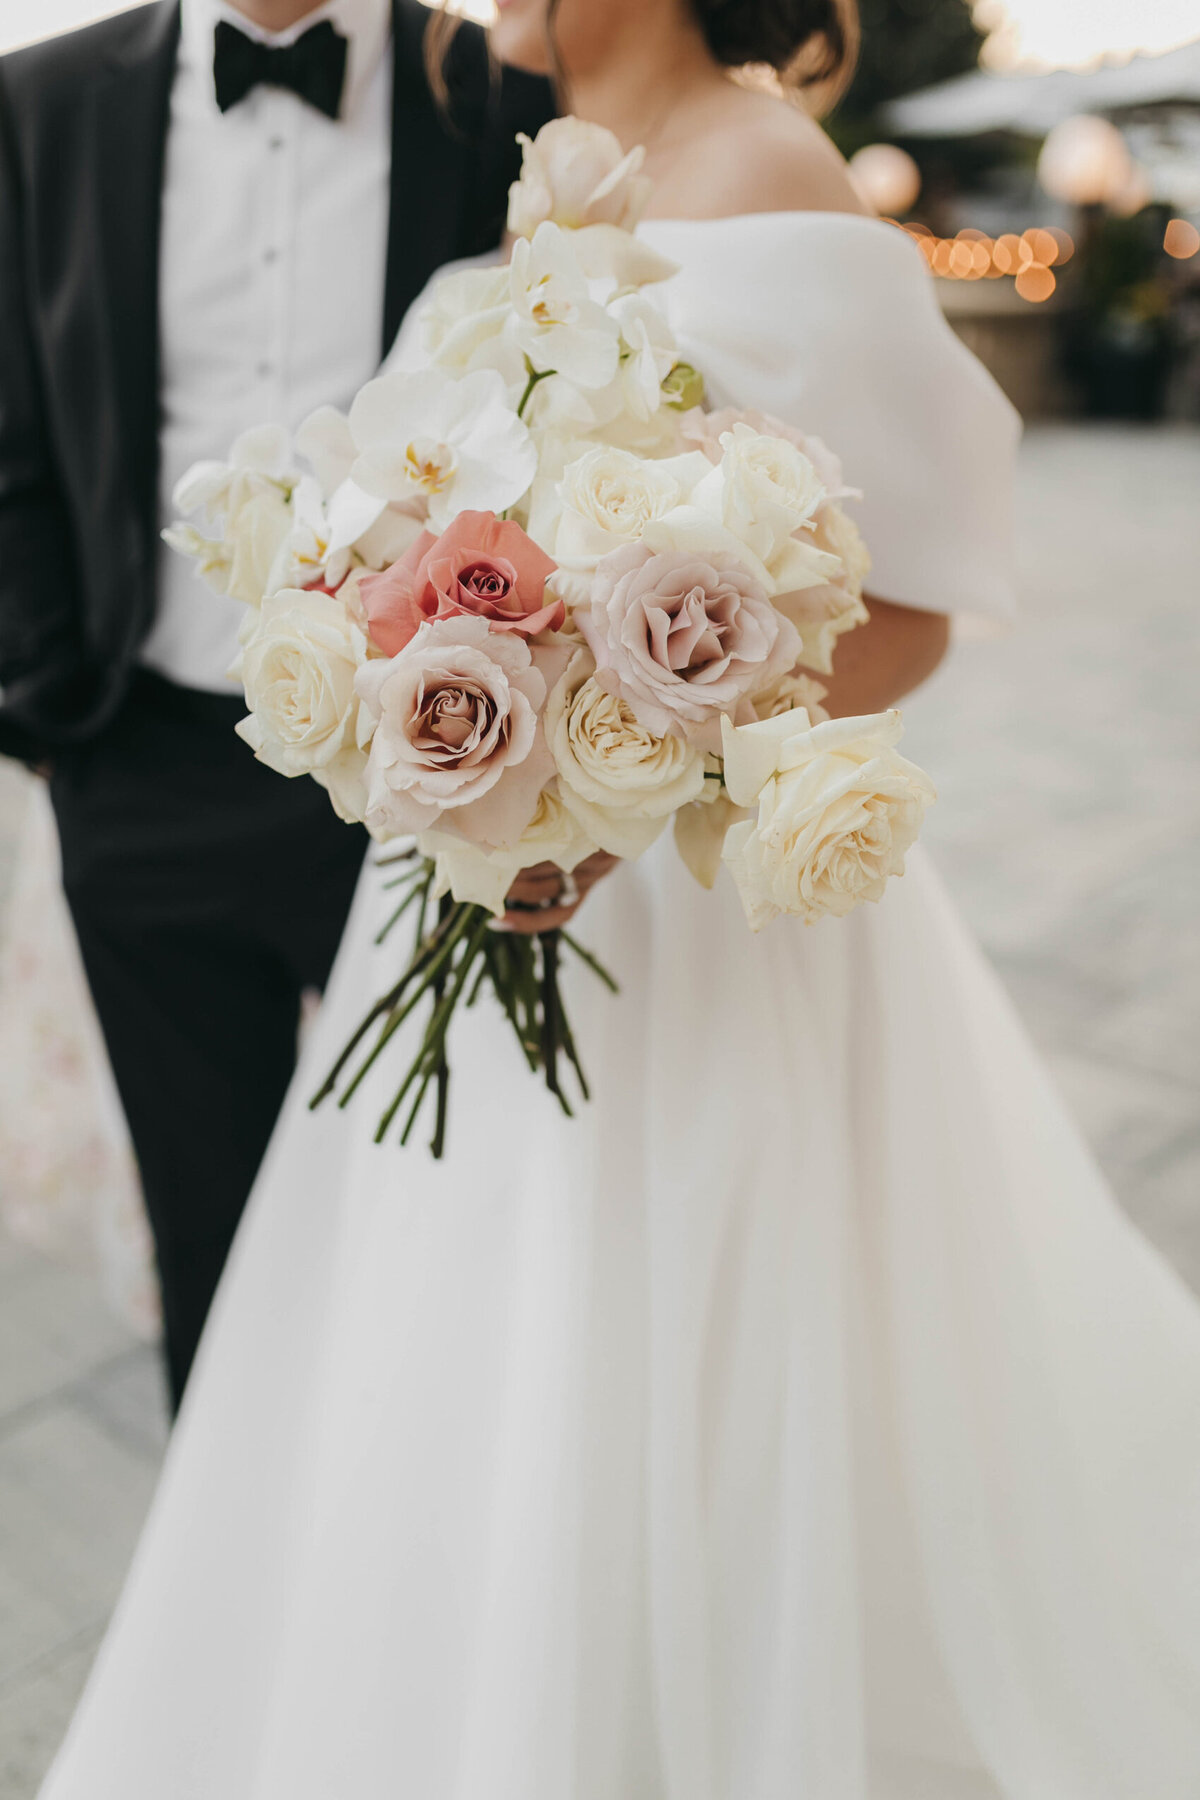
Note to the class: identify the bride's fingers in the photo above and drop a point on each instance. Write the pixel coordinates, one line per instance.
(544, 881)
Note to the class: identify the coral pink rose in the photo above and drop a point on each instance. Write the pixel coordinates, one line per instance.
(481, 566)
(683, 637)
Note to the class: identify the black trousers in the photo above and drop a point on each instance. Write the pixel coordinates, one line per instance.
(208, 893)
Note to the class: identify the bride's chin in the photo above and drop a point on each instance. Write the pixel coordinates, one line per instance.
(518, 35)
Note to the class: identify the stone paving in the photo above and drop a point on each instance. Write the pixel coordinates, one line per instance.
(1068, 759)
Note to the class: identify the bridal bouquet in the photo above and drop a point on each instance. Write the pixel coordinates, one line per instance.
(530, 600)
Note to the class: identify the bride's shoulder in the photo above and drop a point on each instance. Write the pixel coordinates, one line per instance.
(761, 154)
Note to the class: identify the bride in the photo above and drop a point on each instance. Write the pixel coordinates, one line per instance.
(804, 1421)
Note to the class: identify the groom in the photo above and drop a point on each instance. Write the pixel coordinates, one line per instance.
(210, 217)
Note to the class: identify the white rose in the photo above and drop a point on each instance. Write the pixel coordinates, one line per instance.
(837, 810)
(298, 666)
(254, 535)
(484, 877)
(618, 779)
(788, 694)
(605, 499)
(764, 492)
(835, 531)
(821, 615)
(249, 497)
(577, 174)
(736, 512)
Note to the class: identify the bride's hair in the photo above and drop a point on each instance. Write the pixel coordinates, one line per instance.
(810, 44)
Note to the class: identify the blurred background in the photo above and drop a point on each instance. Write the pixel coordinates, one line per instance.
(1045, 156)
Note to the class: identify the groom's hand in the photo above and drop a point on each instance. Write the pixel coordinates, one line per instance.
(543, 883)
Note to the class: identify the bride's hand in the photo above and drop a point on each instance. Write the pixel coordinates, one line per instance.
(527, 909)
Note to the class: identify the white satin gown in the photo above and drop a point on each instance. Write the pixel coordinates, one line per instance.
(803, 1422)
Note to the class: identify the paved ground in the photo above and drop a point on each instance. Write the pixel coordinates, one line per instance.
(1068, 758)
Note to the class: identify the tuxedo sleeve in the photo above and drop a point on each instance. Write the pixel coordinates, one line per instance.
(40, 655)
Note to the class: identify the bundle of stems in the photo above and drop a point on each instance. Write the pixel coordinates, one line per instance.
(457, 954)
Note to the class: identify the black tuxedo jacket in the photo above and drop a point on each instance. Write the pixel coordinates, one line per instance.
(83, 121)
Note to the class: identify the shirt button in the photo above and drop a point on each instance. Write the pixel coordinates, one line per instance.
(265, 369)
(276, 143)
(271, 255)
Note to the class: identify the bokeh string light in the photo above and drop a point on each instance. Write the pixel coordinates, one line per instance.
(1029, 258)
(1181, 239)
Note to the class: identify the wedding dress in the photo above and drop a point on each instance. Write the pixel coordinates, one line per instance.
(802, 1422)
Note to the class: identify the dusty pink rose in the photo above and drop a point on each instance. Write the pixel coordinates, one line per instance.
(704, 430)
(683, 637)
(458, 743)
(481, 566)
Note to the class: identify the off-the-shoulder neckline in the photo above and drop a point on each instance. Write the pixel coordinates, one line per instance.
(856, 221)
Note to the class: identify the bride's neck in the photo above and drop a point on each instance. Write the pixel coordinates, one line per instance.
(643, 80)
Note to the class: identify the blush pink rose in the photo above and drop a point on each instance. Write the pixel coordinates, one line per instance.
(458, 742)
(481, 566)
(683, 637)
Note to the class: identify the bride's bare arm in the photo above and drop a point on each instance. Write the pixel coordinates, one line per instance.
(876, 664)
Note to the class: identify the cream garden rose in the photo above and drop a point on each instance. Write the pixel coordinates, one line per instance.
(837, 809)
(298, 667)
(249, 497)
(823, 613)
(619, 780)
(791, 691)
(606, 498)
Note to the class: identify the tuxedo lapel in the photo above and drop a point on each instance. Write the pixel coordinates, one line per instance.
(430, 167)
(132, 104)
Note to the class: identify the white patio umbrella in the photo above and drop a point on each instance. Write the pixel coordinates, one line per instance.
(1033, 104)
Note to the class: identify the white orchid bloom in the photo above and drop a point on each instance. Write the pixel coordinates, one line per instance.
(456, 444)
(464, 323)
(259, 460)
(648, 353)
(327, 446)
(212, 556)
(556, 322)
(301, 558)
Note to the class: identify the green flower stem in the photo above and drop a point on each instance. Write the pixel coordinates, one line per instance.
(450, 967)
(535, 375)
(427, 966)
(413, 894)
(568, 1043)
(432, 1051)
(593, 964)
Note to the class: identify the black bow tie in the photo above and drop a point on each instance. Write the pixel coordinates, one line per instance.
(313, 67)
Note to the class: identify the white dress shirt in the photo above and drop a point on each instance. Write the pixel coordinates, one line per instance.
(271, 279)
